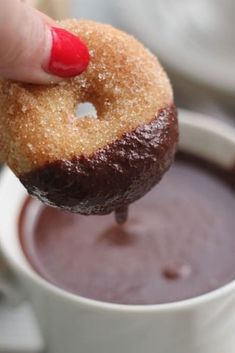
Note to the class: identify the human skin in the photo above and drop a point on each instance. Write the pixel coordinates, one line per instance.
(32, 48)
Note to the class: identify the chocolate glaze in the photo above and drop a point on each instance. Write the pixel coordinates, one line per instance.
(114, 176)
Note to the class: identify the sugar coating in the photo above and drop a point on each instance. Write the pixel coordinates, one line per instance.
(124, 81)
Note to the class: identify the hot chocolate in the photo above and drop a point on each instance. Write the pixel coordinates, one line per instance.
(177, 243)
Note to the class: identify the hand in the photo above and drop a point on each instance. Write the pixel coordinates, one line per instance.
(34, 49)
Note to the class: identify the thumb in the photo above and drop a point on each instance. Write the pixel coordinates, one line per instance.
(33, 50)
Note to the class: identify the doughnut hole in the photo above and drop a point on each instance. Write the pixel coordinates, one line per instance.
(85, 109)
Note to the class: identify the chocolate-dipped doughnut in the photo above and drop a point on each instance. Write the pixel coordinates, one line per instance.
(92, 165)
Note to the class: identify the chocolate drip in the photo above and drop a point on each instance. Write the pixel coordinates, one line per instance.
(121, 214)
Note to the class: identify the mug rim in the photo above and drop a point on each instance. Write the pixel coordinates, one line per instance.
(205, 122)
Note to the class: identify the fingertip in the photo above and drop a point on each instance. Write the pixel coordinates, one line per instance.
(69, 54)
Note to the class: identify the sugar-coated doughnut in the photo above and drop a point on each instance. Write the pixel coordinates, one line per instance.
(92, 165)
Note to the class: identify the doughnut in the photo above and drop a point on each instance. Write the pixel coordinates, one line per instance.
(92, 165)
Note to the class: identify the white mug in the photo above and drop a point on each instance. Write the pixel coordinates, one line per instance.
(73, 324)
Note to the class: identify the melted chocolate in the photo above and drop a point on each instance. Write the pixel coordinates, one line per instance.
(114, 176)
(121, 214)
(178, 242)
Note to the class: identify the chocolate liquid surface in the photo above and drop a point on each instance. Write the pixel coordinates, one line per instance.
(178, 241)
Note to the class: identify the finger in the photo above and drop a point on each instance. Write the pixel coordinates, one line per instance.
(33, 50)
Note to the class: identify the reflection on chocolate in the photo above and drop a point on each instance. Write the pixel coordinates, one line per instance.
(177, 243)
(116, 236)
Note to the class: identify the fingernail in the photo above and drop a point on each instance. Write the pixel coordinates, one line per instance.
(69, 55)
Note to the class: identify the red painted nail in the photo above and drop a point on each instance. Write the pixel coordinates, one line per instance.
(69, 55)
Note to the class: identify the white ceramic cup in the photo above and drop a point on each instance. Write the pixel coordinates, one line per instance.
(73, 324)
